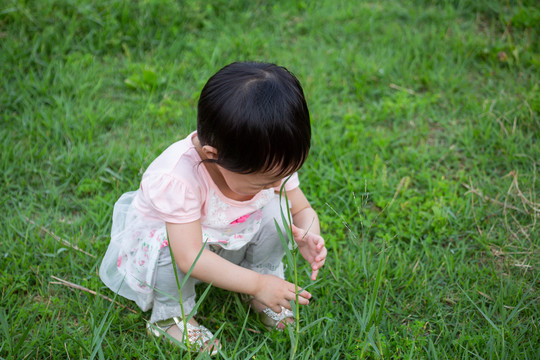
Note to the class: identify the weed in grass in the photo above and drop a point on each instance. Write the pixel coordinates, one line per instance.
(291, 258)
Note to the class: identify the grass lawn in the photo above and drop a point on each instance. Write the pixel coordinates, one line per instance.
(424, 169)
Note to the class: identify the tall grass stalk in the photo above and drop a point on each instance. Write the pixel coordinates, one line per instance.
(290, 255)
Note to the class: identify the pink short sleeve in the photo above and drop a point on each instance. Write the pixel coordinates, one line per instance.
(170, 199)
(291, 184)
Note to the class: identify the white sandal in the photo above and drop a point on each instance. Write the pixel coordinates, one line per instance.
(271, 319)
(197, 335)
(267, 316)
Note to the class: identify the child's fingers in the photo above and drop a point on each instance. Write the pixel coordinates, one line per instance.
(304, 295)
(301, 293)
(321, 256)
(294, 289)
(318, 258)
(295, 231)
(317, 243)
(303, 301)
(317, 264)
(314, 274)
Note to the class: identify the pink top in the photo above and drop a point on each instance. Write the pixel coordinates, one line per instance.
(177, 188)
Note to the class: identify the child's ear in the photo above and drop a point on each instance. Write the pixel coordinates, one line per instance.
(210, 152)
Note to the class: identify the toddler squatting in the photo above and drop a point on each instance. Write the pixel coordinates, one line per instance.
(219, 189)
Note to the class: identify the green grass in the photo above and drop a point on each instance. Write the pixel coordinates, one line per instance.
(424, 169)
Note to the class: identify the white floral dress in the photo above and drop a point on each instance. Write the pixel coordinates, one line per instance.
(175, 188)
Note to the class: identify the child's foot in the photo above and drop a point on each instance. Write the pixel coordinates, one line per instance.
(271, 319)
(198, 336)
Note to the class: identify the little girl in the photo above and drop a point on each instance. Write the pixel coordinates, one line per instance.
(219, 189)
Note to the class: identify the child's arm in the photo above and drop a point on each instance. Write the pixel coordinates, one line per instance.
(185, 241)
(306, 231)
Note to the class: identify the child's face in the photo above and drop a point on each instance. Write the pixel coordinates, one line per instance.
(249, 184)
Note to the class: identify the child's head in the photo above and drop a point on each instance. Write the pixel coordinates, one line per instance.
(256, 116)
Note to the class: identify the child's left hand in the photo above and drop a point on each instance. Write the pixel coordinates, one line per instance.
(311, 247)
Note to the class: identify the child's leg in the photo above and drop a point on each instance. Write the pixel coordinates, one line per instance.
(167, 311)
(166, 295)
(264, 253)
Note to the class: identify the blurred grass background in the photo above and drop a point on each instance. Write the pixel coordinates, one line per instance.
(423, 168)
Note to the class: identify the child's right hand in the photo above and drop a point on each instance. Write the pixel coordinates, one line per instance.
(275, 292)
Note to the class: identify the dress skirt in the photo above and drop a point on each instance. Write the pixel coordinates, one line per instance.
(138, 255)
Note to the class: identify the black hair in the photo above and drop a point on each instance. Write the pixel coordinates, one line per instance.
(256, 116)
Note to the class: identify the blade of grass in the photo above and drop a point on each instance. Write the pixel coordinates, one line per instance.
(23, 338)
(240, 336)
(286, 219)
(285, 244)
(188, 274)
(4, 326)
(305, 328)
(101, 331)
(517, 309)
(481, 312)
